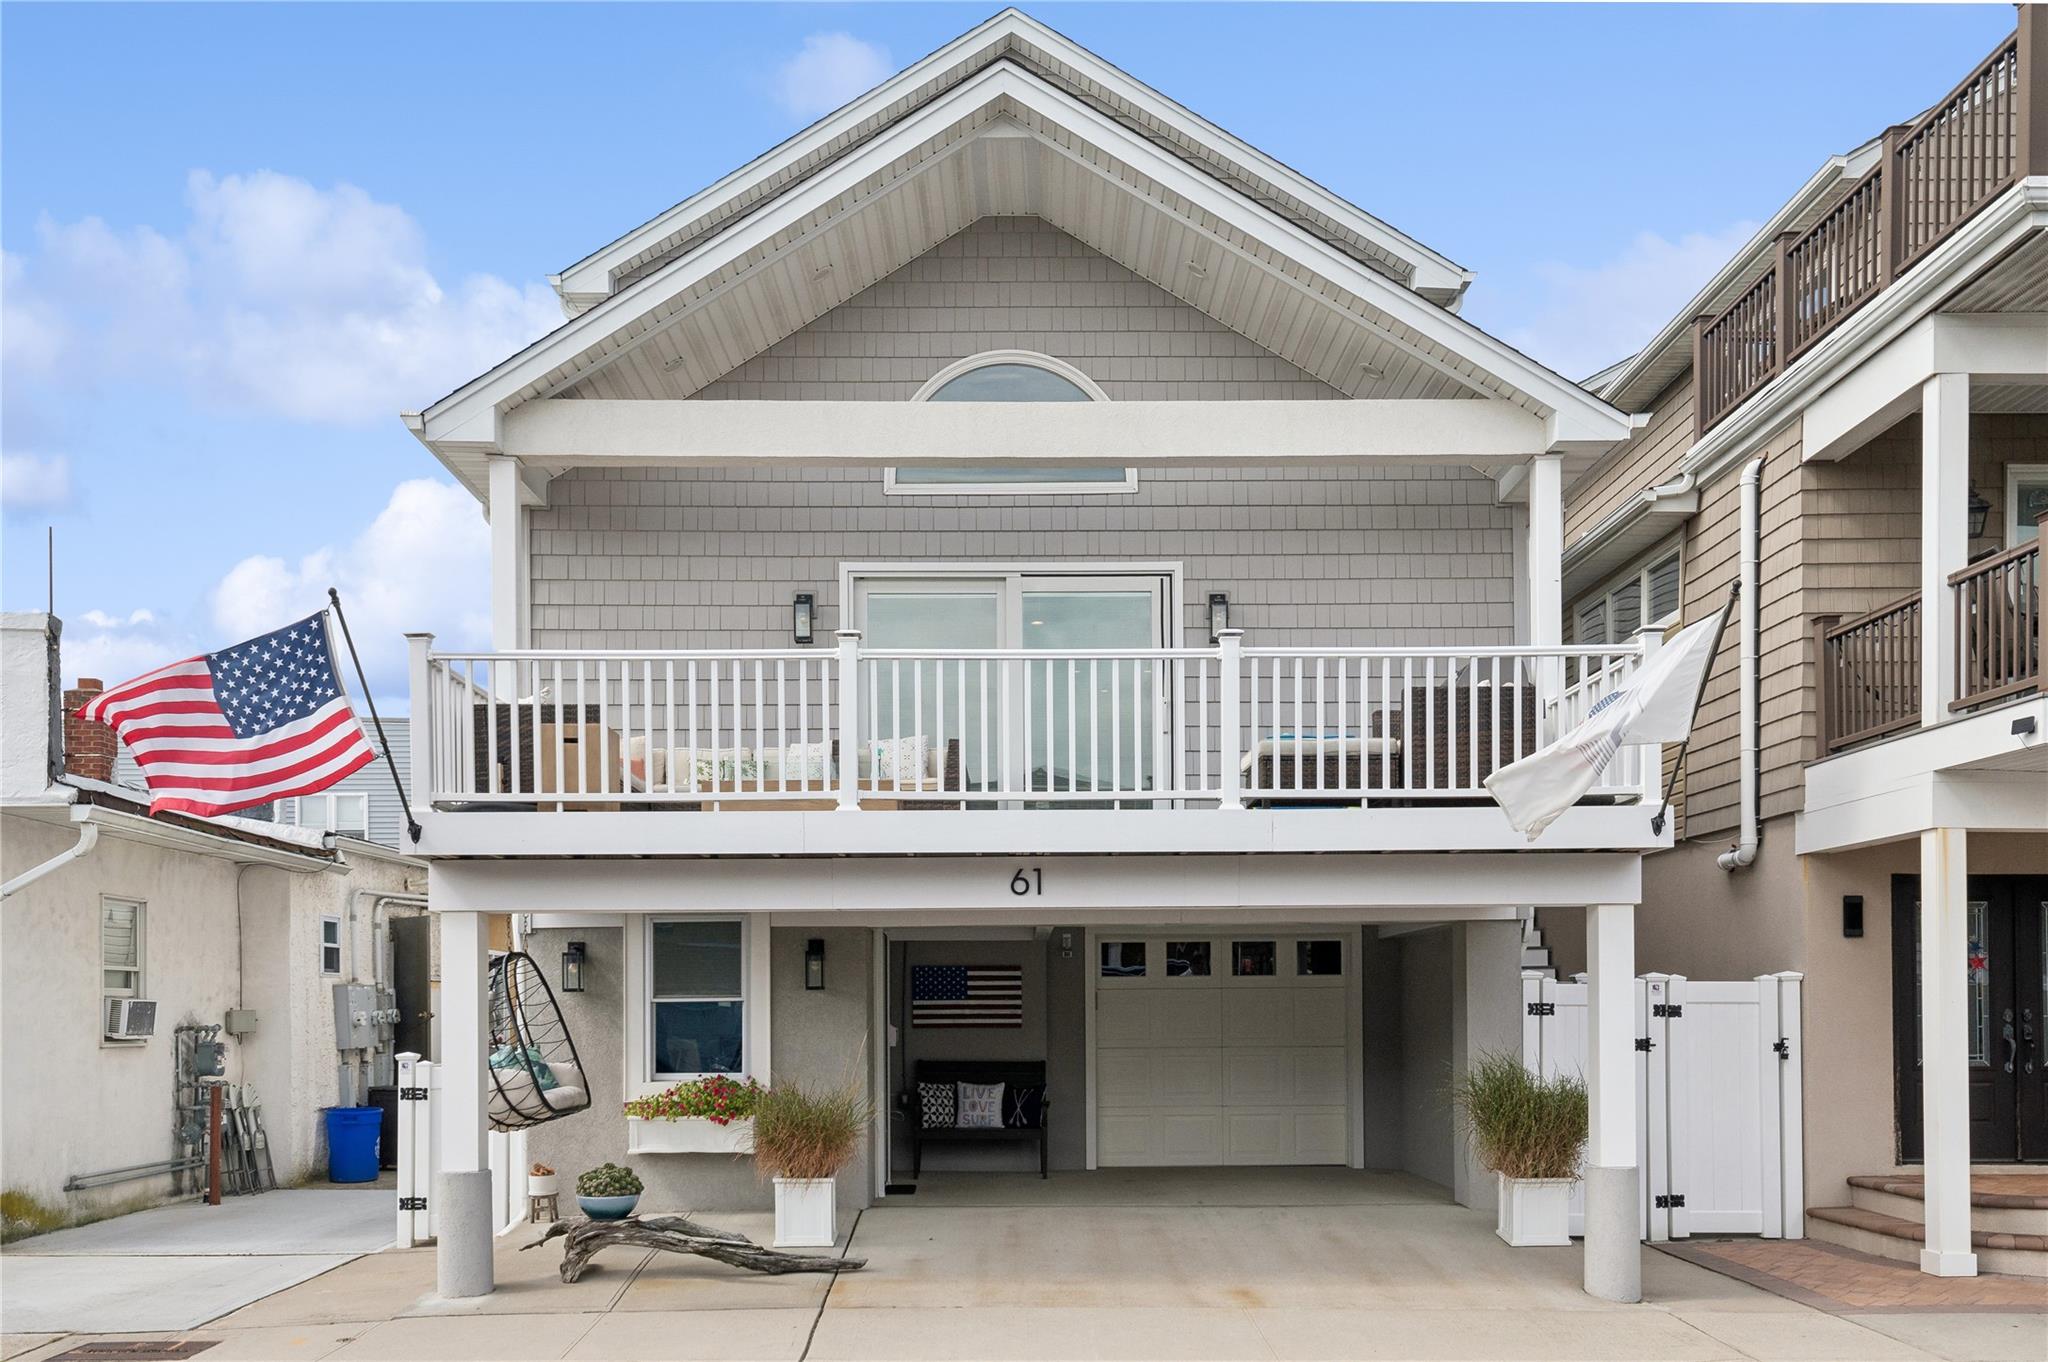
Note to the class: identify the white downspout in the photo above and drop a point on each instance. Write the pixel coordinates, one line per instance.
(88, 838)
(1743, 853)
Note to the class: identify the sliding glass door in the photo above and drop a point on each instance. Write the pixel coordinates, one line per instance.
(1066, 725)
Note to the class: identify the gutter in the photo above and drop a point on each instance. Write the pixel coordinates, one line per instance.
(1743, 853)
(88, 838)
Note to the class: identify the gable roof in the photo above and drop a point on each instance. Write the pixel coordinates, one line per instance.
(1011, 119)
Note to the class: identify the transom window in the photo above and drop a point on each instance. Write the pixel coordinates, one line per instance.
(1008, 376)
(696, 996)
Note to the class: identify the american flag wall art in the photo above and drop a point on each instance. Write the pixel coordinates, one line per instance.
(966, 995)
(263, 720)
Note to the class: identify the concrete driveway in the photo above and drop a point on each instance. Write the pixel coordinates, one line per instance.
(176, 1267)
(1334, 1265)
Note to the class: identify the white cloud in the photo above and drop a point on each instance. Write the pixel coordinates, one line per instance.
(422, 564)
(277, 296)
(115, 647)
(831, 69)
(1586, 317)
(30, 483)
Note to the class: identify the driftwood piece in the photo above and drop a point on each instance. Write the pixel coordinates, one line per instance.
(678, 1234)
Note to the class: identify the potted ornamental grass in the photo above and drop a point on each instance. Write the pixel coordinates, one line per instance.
(1531, 1131)
(803, 1137)
(709, 1115)
(608, 1192)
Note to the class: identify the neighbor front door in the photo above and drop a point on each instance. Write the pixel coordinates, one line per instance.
(2007, 1016)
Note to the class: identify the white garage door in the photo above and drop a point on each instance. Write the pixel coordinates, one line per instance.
(1222, 1049)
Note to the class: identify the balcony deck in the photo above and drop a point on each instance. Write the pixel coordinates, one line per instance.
(1161, 751)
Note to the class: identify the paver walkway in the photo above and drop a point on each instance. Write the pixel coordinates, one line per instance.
(1829, 1277)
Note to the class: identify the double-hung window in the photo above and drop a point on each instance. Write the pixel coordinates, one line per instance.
(330, 945)
(697, 973)
(121, 948)
(341, 813)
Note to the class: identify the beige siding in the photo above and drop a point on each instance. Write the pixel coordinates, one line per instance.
(1650, 457)
(1016, 283)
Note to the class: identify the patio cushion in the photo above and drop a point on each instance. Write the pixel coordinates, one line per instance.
(1024, 1107)
(936, 1104)
(981, 1106)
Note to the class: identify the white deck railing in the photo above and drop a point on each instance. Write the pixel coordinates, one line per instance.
(1216, 727)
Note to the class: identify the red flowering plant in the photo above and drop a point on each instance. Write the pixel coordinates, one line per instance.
(717, 1099)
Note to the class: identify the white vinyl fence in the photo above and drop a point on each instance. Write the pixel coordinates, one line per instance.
(419, 1159)
(1719, 1120)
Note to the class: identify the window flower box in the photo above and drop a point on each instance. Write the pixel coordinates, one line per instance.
(689, 1135)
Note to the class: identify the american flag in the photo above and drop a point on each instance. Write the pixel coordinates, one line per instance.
(263, 720)
(966, 995)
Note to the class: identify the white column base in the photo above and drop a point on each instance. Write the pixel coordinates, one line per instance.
(462, 1249)
(1938, 1264)
(1614, 1250)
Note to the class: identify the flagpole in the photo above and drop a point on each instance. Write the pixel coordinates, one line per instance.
(412, 824)
(1664, 804)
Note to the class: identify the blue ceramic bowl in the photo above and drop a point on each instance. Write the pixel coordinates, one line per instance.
(608, 1207)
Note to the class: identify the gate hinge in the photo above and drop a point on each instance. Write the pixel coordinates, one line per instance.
(1783, 1046)
(1676, 1201)
(1667, 1009)
(1542, 1009)
(1645, 1044)
(412, 1094)
(412, 1203)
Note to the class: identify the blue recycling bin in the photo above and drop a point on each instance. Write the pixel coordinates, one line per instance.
(352, 1143)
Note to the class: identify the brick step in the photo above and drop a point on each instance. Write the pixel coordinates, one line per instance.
(1889, 1236)
(1882, 1196)
(2009, 1191)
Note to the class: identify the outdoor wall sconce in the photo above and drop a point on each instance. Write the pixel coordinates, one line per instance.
(1980, 513)
(1852, 915)
(803, 622)
(1219, 615)
(572, 968)
(814, 963)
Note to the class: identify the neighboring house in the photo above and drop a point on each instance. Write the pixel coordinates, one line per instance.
(199, 916)
(1001, 537)
(364, 805)
(1852, 420)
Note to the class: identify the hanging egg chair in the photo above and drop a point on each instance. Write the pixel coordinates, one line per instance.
(535, 1073)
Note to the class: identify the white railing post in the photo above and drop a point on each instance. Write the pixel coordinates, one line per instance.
(420, 682)
(848, 720)
(1651, 775)
(1791, 1106)
(1229, 723)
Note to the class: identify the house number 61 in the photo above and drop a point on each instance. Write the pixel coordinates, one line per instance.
(1030, 881)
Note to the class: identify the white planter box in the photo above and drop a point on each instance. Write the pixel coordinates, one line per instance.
(1535, 1211)
(691, 1135)
(803, 1212)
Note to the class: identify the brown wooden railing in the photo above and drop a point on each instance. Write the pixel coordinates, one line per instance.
(1999, 630)
(1869, 674)
(1931, 177)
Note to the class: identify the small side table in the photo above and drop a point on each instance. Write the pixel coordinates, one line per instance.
(542, 1208)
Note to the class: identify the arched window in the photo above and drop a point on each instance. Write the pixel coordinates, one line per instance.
(1008, 376)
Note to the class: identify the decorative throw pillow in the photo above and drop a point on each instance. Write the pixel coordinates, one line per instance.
(897, 761)
(1024, 1107)
(807, 762)
(981, 1106)
(936, 1105)
(726, 765)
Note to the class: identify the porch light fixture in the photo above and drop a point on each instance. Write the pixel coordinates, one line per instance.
(572, 968)
(803, 617)
(1980, 513)
(1219, 614)
(1852, 915)
(814, 963)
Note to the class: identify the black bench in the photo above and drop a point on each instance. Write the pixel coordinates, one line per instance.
(1011, 1073)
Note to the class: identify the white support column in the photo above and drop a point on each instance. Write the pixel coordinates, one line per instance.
(1944, 533)
(508, 576)
(1614, 1265)
(1546, 569)
(463, 1256)
(1230, 721)
(420, 684)
(1945, 1052)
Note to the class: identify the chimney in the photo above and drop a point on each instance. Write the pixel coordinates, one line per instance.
(88, 747)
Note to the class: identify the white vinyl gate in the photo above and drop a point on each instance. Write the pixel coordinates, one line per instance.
(1719, 1121)
(419, 1158)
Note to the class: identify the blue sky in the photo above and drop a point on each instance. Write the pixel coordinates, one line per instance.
(239, 239)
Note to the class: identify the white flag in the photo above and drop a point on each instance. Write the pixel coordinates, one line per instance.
(1653, 706)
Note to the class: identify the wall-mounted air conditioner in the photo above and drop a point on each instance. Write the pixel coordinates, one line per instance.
(130, 1018)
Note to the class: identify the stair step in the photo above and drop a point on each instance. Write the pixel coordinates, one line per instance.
(1884, 1196)
(2012, 1191)
(1885, 1236)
